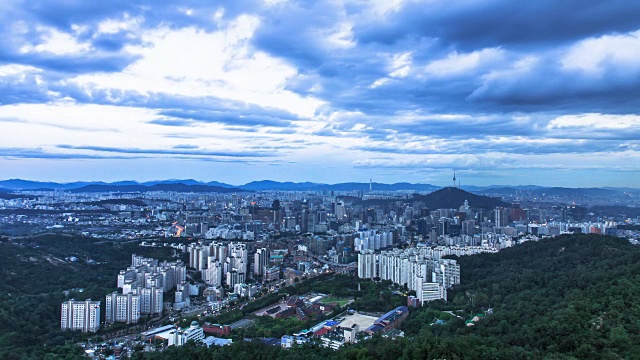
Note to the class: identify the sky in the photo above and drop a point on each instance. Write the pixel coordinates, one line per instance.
(541, 92)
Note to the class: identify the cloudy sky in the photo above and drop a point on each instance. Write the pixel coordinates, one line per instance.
(541, 92)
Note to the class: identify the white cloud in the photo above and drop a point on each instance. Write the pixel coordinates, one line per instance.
(381, 8)
(56, 42)
(340, 37)
(15, 69)
(593, 55)
(66, 122)
(401, 65)
(193, 62)
(596, 121)
(456, 63)
(501, 161)
(113, 26)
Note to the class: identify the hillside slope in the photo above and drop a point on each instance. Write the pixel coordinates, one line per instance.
(572, 295)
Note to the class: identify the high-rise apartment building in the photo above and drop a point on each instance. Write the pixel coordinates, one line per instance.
(367, 264)
(260, 261)
(80, 315)
(150, 300)
(212, 275)
(122, 308)
(198, 256)
(234, 277)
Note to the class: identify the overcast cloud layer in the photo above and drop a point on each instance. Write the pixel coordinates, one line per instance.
(510, 92)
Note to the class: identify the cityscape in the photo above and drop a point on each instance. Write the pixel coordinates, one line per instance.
(319, 180)
(245, 249)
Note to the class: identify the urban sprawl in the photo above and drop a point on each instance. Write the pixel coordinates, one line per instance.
(242, 246)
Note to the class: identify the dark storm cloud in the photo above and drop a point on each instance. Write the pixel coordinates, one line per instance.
(613, 89)
(477, 24)
(293, 30)
(155, 12)
(433, 30)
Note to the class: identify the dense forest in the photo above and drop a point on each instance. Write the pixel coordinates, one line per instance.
(36, 271)
(568, 297)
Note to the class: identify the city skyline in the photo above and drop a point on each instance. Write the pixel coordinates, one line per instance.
(406, 91)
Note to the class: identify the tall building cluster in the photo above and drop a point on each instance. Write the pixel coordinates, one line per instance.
(143, 286)
(147, 273)
(372, 240)
(415, 268)
(220, 263)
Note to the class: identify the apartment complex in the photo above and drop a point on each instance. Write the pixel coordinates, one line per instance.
(415, 268)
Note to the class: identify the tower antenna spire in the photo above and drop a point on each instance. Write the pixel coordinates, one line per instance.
(454, 178)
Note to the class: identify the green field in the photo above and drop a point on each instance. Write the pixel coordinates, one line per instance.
(332, 299)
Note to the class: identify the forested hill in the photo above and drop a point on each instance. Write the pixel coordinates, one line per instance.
(452, 197)
(572, 295)
(569, 297)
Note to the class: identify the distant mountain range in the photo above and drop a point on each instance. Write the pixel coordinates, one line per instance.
(157, 187)
(190, 185)
(558, 191)
(351, 186)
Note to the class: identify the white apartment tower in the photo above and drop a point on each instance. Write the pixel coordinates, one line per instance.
(260, 261)
(238, 256)
(80, 315)
(198, 256)
(367, 264)
(150, 300)
(122, 308)
(234, 277)
(213, 274)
